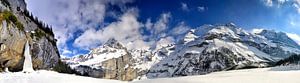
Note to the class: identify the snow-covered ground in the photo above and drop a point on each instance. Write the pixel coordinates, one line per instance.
(289, 74)
(286, 74)
(43, 76)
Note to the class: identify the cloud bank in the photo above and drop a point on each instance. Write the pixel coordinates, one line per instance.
(80, 24)
(125, 30)
(71, 17)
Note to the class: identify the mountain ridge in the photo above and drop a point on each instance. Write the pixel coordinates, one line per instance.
(203, 50)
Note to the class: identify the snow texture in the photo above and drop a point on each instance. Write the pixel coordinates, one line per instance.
(281, 74)
(43, 76)
(288, 74)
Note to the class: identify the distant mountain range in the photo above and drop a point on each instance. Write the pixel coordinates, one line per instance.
(203, 50)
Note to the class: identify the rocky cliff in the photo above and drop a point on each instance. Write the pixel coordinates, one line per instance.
(18, 26)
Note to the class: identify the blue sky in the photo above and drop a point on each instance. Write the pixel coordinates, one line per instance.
(80, 25)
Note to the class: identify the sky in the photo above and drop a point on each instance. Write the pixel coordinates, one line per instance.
(81, 25)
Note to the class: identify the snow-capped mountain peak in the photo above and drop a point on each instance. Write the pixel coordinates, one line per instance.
(229, 29)
(111, 49)
(279, 37)
(112, 42)
(190, 36)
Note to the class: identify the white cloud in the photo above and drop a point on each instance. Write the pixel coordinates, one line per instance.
(295, 37)
(184, 7)
(65, 52)
(278, 3)
(89, 39)
(296, 1)
(162, 23)
(126, 30)
(297, 5)
(148, 24)
(201, 8)
(268, 2)
(69, 16)
(181, 28)
(157, 29)
(282, 1)
(256, 30)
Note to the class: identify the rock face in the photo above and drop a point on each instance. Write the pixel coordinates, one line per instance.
(17, 27)
(12, 45)
(203, 50)
(119, 68)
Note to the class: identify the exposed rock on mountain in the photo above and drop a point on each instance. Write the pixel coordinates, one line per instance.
(292, 60)
(17, 27)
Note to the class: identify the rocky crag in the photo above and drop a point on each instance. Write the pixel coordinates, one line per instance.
(17, 26)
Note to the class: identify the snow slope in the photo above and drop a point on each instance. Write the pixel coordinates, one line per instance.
(282, 74)
(111, 49)
(288, 74)
(43, 76)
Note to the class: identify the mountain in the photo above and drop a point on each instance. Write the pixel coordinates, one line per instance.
(203, 50)
(284, 44)
(223, 47)
(17, 27)
(215, 48)
(111, 61)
